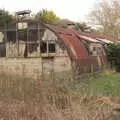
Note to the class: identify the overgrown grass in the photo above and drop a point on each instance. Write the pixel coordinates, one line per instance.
(58, 98)
(100, 84)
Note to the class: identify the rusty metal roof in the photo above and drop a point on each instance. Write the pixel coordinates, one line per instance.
(84, 36)
(72, 39)
(99, 36)
(76, 48)
(94, 37)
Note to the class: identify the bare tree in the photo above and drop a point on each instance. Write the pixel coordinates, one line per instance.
(107, 14)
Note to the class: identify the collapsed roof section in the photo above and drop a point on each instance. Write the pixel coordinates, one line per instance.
(100, 37)
(85, 37)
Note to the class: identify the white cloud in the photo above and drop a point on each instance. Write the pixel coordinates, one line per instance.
(71, 9)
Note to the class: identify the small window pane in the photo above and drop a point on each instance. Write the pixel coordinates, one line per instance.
(2, 50)
(22, 35)
(43, 47)
(33, 35)
(11, 36)
(51, 47)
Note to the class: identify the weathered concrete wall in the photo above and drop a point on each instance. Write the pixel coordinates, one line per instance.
(49, 35)
(62, 64)
(21, 66)
(56, 65)
(11, 50)
(33, 67)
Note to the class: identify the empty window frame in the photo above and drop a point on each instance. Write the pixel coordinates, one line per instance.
(48, 47)
(28, 43)
(11, 45)
(43, 47)
(93, 51)
(29, 40)
(2, 50)
(51, 48)
(2, 45)
(11, 36)
(33, 43)
(22, 35)
(96, 51)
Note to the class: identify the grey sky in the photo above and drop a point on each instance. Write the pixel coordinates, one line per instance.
(71, 9)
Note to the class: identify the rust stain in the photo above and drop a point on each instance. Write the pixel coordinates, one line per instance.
(76, 47)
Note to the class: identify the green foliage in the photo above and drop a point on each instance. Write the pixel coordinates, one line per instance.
(105, 83)
(114, 53)
(46, 16)
(5, 17)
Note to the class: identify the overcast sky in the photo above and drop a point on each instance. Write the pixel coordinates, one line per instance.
(72, 9)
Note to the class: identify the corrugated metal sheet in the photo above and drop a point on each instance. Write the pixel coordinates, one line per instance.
(94, 37)
(76, 48)
(99, 36)
(84, 36)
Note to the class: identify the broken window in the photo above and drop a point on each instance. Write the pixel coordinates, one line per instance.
(95, 51)
(33, 35)
(48, 47)
(22, 35)
(26, 41)
(11, 46)
(29, 43)
(11, 36)
(43, 47)
(2, 50)
(21, 45)
(32, 43)
(2, 45)
(51, 47)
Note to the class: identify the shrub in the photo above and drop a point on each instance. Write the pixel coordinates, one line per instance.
(114, 54)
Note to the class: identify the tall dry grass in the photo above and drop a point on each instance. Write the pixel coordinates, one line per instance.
(50, 99)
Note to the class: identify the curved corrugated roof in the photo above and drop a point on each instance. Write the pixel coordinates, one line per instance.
(76, 48)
